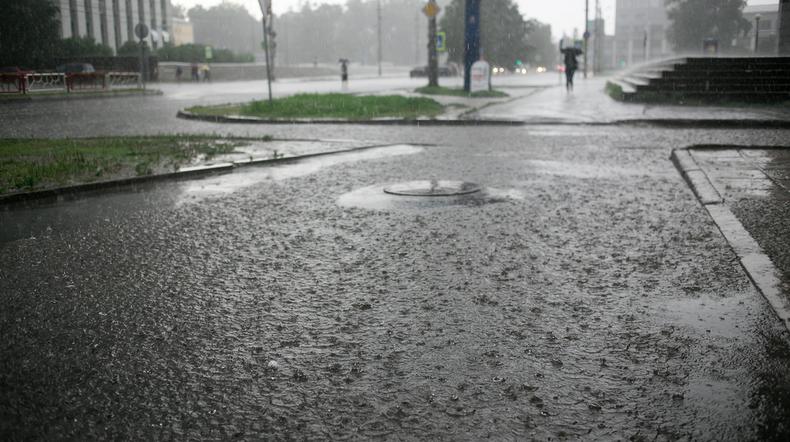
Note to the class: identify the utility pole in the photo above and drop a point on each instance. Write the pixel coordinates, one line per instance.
(598, 36)
(757, 33)
(431, 9)
(378, 10)
(266, 10)
(586, 32)
(417, 38)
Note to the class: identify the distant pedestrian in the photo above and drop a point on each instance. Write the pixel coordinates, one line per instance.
(343, 70)
(571, 64)
(205, 71)
(194, 72)
(179, 73)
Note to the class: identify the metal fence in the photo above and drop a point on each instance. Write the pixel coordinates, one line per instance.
(31, 83)
(45, 82)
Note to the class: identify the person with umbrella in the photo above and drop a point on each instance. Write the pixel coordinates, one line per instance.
(571, 64)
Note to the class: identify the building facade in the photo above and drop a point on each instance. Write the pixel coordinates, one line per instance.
(183, 32)
(769, 28)
(640, 31)
(112, 22)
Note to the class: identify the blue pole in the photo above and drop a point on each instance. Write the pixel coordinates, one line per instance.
(471, 38)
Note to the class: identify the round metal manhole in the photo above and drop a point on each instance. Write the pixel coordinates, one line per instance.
(432, 188)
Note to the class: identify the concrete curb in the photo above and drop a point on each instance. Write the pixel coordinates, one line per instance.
(374, 121)
(681, 123)
(758, 266)
(695, 177)
(82, 96)
(663, 123)
(187, 172)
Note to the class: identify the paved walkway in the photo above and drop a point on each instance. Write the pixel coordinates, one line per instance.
(588, 103)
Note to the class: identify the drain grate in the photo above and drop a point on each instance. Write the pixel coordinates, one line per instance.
(432, 188)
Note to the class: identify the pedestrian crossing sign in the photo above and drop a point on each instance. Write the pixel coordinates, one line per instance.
(441, 41)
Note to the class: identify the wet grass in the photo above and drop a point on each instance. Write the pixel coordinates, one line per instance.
(34, 164)
(614, 90)
(333, 105)
(455, 92)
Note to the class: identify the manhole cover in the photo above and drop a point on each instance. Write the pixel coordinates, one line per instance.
(432, 188)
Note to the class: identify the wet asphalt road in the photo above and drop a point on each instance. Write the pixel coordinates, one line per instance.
(583, 295)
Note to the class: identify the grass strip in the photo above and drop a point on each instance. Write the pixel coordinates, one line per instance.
(456, 92)
(333, 105)
(34, 164)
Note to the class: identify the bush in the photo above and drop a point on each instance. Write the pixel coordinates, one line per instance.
(132, 49)
(76, 47)
(189, 53)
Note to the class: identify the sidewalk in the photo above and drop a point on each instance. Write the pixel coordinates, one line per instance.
(747, 193)
(588, 103)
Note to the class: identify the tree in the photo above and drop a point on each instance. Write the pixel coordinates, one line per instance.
(541, 50)
(692, 21)
(179, 12)
(503, 32)
(226, 26)
(28, 33)
(75, 47)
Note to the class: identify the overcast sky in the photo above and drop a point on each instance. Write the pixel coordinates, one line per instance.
(563, 15)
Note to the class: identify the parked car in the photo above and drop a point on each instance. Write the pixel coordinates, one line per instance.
(444, 71)
(76, 68)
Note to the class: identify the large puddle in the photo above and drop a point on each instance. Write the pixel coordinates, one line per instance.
(375, 198)
(229, 183)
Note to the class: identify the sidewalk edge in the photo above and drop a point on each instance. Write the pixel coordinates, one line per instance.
(758, 266)
(695, 177)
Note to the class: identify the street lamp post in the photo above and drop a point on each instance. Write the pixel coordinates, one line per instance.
(586, 32)
(757, 33)
(379, 34)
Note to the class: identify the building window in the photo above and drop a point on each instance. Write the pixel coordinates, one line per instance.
(141, 11)
(116, 20)
(153, 14)
(164, 15)
(75, 25)
(129, 21)
(89, 17)
(105, 37)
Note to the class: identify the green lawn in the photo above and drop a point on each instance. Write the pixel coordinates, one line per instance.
(353, 107)
(31, 164)
(455, 92)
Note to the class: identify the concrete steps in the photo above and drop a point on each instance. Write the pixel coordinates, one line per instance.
(707, 79)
